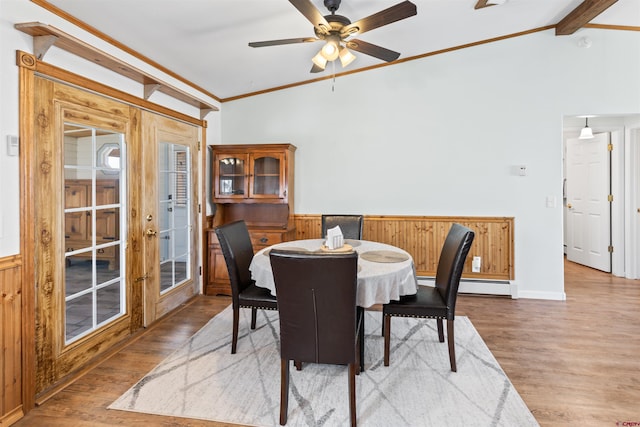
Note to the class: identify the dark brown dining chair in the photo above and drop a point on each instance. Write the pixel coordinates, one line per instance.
(319, 319)
(437, 302)
(350, 225)
(237, 249)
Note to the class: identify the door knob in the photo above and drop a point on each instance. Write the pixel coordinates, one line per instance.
(151, 232)
(569, 205)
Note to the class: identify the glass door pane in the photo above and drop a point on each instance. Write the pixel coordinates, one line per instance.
(266, 176)
(232, 176)
(93, 224)
(174, 201)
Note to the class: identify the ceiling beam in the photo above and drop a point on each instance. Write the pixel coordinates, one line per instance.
(582, 15)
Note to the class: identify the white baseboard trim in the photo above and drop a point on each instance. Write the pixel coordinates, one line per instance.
(556, 296)
(484, 287)
(497, 287)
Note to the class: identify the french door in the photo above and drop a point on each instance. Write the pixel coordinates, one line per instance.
(83, 266)
(115, 218)
(169, 208)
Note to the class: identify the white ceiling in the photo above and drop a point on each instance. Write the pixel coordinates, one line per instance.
(206, 41)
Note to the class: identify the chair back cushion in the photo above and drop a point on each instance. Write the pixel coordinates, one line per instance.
(351, 225)
(316, 296)
(452, 258)
(237, 249)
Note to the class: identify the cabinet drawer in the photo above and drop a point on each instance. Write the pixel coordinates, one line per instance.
(260, 239)
(108, 252)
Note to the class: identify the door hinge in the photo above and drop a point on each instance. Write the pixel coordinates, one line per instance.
(610, 197)
(199, 208)
(610, 147)
(610, 248)
(200, 271)
(198, 145)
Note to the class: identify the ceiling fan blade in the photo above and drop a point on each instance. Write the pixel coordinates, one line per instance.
(283, 41)
(387, 16)
(312, 14)
(373, 50)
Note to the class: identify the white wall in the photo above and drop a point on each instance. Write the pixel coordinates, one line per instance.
(443, 135)
(18, 11)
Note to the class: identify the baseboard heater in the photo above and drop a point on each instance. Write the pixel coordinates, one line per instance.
(475, 286)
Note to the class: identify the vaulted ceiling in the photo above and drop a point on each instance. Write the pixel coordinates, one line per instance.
(205, 42)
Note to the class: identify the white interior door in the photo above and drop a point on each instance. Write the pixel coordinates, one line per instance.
(588, 206)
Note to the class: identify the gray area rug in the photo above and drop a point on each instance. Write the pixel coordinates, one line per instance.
(203, 380)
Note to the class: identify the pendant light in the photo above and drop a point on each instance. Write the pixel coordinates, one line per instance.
(586, 132)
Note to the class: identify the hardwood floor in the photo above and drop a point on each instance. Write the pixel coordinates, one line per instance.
(574, 362)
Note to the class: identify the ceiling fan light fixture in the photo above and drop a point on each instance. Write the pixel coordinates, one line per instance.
(331, 49)
(586, 132)
(346, 57)
(319, 60)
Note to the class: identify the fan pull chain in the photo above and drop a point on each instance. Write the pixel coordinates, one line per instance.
(333, 82)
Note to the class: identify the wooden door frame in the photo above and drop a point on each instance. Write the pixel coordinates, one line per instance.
(28, 67)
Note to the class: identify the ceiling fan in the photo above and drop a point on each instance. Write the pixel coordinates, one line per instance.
(336, 30)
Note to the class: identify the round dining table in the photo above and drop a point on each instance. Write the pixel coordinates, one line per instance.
(385, 272)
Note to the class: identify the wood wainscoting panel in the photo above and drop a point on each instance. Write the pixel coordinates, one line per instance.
(423, 237)
(10, 339)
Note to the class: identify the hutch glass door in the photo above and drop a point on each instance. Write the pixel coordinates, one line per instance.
(232, 176)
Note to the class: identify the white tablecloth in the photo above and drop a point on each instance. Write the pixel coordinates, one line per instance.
(378, 282)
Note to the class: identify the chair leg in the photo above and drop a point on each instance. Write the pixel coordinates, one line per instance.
(234, 335)
(382, 332)
(254, 311)
(359, 361)
(352, 393)
(284, 390)
(387, 338)
(452, 345)
(298, 365)
(440, 330)
(361, 340)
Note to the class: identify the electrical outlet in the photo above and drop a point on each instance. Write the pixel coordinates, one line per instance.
(476, 264)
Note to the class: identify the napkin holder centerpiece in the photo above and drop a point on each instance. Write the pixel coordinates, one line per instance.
(335, 241)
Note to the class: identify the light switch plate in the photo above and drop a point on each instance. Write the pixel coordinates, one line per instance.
(13, 145)
(551, 202)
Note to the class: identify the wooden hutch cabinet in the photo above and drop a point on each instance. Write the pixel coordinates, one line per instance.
(253, 183)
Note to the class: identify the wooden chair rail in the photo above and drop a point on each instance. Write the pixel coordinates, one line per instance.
(423, 236)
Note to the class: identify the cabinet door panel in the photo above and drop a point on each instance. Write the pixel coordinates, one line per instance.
(75, 225)
(266, 175)
(107, 224)
(107, 193)
(231, 176)
(76, 195)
